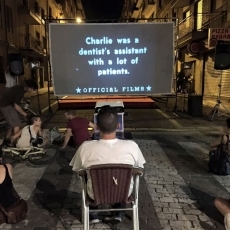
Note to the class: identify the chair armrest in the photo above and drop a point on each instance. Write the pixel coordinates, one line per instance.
(138, 171)
(81, 173)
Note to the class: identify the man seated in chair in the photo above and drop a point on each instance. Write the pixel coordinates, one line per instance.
(108, 150)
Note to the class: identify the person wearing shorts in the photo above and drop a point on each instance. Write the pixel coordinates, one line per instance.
(10, 106)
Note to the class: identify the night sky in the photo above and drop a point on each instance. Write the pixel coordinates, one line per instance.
(102, 9)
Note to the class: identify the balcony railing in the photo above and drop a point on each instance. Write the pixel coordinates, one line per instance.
(30, 11)
(29, 5)
(30, 42)
(199, 22)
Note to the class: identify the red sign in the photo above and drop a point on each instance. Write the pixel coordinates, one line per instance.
(216, 34)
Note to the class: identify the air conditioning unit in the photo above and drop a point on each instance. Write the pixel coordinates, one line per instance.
(150, 7)
(136, 13)
(139, 3)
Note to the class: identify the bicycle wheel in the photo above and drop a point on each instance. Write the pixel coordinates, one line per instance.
(43, 159)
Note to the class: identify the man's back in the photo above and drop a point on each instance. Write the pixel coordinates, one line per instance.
(112, 151)
(109, 151)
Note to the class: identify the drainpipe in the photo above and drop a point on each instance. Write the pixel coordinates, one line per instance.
(203, 74)
(6, 35)
(47, 72)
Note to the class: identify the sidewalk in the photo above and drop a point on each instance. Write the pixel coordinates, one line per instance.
(208, 104)
(176, 192)
(40, 92)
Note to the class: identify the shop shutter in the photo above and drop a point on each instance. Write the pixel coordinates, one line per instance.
(212, 79)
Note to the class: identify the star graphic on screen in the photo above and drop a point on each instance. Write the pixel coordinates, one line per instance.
(148, 88)
(78, 90)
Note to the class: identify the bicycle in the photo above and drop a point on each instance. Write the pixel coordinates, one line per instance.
(37, 156)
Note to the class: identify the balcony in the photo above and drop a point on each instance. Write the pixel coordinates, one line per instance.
(30, 42)
(195, 27)
(28, 14)
(180, 3)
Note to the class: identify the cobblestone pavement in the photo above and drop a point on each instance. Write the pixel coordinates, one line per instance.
(176, 192)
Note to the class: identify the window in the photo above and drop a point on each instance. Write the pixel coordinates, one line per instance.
(199, 8)
(50, 12)
(186, 18)
(36, 8)
(216, 4)
(166, 17)
(42, 13)
(44, 41)
(2, 71)
(9, 20)
(173, 13)
(38, 38)
(152, 16)
(25, 3)
(160, 3)
(186, 14)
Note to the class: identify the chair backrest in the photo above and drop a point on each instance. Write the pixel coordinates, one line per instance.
(111, 183)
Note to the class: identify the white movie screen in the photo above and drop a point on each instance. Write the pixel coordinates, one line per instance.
(133, 59)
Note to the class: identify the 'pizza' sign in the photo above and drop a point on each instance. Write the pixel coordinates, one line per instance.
(216, 34)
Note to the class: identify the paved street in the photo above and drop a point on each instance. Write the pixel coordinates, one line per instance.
(176, 192)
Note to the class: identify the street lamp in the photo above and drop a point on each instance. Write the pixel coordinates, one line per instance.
(78, 20)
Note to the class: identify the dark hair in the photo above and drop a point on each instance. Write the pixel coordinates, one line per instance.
(228, 122)
(107, 119)
(1, 153)
(31, 84)
(33, 119)
(71, 112)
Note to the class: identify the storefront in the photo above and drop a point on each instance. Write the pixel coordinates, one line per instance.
(212, 78)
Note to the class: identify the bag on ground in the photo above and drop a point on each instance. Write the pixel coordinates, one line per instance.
(219, 162)
(15, 213)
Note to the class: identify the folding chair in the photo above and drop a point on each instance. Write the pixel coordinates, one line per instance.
(111, 183)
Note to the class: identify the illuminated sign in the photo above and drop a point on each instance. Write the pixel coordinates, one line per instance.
(35, 64)
(216, 34)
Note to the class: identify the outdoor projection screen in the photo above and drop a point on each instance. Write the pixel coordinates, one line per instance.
(132, 58)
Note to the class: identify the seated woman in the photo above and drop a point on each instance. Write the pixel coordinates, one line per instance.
(223, 205)
(224, 138)
(29, 133)
(7, 198)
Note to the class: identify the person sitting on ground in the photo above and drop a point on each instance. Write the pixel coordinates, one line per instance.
(76, 127)
(30, 132)
(223, 205)
(7, 198)
(224, 138)
(108, 150)
(10, 106)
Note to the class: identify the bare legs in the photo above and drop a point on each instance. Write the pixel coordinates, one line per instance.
(13, 133)
(223, 205)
